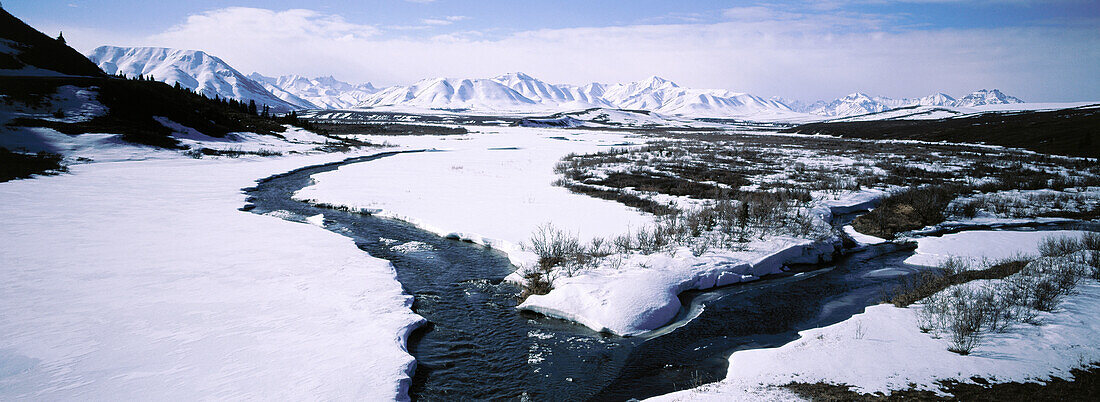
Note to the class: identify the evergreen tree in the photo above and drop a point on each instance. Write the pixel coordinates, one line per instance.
(61, 37)
(252, 107)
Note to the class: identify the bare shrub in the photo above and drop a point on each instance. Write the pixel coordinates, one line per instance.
(1056, 246)
(554, 246)
(1090, 241)
(599, 247)
(536, 282)
(624, 242)
(959, 312)
(699, 247)
(1093, 261)
(1043, 282)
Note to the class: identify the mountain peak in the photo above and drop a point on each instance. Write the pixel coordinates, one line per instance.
(657, 82)
(192, 69)
(987, 97)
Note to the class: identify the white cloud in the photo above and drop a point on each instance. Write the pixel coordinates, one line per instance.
(443, 21)
(753, 51)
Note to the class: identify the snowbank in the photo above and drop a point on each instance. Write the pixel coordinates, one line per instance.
(980, 245)
(640, 294)
(142, 280)
(882, 349)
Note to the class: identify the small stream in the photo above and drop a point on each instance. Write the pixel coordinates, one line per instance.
(476, 346)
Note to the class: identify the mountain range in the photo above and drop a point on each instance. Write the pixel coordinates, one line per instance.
(860, 103)
(513, 92)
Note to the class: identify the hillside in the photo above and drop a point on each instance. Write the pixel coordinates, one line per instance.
(26, 52)
(139, 111)
(192, 69)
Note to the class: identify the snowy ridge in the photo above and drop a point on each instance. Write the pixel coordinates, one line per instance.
(317, 93)
(192, 69)
(859, 103)
(519, 92)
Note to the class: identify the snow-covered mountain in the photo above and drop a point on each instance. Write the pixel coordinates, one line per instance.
(317, 93)
(451, 93)
(854, 104)
(192, 69)
(986, 97)
(563, 96)
(937, 99)
(860, 103)
(521, 92)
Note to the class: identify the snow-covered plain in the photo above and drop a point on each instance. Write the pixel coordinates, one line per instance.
(491, 188)
(495, 188)
(142, 280)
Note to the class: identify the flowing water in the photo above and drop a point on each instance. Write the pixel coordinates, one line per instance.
(476, 346)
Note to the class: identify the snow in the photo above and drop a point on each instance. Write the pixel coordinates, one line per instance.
(142, 280)
(980, 245)
(319, 92)
(476, 188)
(639, 293)
(861, 238)
(882, 349)
(480, 189)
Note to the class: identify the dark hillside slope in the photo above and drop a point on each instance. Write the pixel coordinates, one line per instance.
(35, 49)
(1070, 132)
(131, 105)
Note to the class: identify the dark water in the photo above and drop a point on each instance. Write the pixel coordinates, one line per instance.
(477, 346)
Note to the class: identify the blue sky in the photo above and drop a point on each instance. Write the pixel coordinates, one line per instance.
(1038, 50)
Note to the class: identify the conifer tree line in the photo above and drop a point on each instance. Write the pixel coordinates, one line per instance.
(263, 111)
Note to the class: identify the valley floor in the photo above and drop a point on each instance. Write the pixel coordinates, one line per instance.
(142, 279)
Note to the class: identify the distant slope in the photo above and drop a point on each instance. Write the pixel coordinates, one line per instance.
(986, 97)
(1071, 132)
(192, 69)
(25, 51)
(317, 93)
(450, 93)
(860, 103)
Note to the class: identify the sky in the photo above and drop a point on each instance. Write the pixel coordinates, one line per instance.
(1040, 51)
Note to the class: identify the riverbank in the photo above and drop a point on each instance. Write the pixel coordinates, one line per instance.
(885, 349)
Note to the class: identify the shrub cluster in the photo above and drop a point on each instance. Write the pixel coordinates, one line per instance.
(964, 310)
